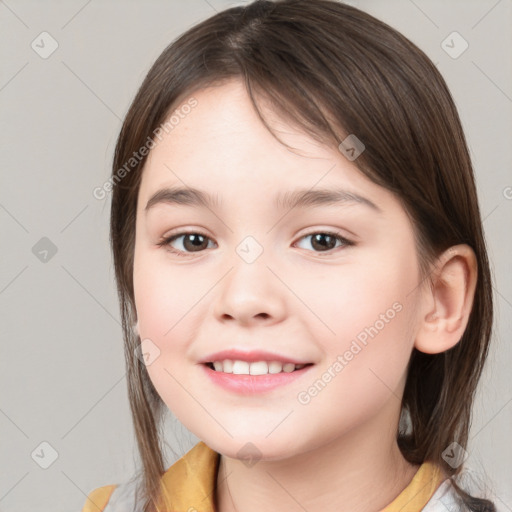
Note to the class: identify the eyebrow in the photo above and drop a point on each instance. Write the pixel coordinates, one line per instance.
(301, 198)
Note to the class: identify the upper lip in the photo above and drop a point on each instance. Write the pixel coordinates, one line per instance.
(249, 356)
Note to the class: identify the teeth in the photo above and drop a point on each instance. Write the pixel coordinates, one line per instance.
(254, 368)
(240, 367)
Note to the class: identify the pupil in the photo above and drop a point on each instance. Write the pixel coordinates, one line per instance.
(195, 240)
(317, 239)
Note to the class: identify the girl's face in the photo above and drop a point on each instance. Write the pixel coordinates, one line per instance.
(256, 275)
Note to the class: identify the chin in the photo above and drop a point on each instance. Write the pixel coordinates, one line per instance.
(253, 448)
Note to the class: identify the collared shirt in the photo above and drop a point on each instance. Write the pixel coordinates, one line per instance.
(190, 483)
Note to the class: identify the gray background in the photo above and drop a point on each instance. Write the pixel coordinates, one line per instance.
(62, 366)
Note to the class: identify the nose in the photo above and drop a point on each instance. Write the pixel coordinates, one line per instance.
(251, 293)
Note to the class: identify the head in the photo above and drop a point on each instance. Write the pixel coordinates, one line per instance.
(247, 106)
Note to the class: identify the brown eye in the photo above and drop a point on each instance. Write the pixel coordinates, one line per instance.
(191, 242)
(194, 242)
(326, 241)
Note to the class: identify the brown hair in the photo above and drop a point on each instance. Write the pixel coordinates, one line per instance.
(332, 70)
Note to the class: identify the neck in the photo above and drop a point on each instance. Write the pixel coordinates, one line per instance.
(362, 470)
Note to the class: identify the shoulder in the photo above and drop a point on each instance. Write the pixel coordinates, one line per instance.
(193, 476)
(446, 498)
(98, 498)
(112, 498)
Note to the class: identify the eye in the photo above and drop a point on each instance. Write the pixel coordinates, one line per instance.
(194, 242)
(326, 241)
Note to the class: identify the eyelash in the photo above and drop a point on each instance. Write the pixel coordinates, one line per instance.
(165, 242)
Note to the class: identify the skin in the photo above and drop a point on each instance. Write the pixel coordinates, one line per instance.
(294, 299)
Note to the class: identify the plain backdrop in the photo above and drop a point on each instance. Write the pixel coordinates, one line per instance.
(68, 73)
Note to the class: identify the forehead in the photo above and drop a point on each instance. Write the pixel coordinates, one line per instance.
(222, 146)
(224, 122)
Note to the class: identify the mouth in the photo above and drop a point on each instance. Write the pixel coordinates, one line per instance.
(255, 377)
(239, 367)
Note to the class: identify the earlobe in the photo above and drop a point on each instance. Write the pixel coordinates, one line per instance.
(448, 301)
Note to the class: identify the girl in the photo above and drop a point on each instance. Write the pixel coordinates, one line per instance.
(301, 269)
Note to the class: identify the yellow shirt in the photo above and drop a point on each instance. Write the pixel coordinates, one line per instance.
(193, 478)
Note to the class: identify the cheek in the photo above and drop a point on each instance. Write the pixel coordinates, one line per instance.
(369, 298)
(165, 310)
(372, 345)
(370, 311)
(166, 297)
(363, 371)
(170, 310)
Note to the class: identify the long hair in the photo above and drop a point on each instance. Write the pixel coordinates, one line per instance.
(331, 70)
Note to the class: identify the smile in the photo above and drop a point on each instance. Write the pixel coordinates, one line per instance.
(238, 367)
(267, 376)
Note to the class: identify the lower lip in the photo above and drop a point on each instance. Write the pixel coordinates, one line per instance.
(253, 384)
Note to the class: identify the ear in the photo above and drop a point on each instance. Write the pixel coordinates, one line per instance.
(448, 301)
